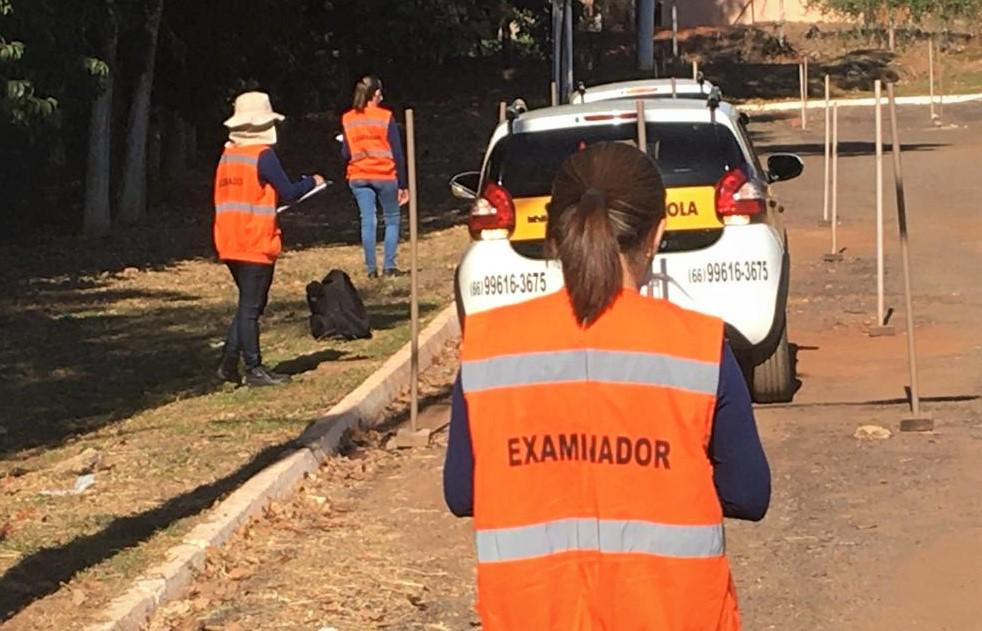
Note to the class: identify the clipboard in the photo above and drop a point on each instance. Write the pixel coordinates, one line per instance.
(317, 189)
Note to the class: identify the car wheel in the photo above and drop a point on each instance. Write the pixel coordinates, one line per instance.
(772, 381)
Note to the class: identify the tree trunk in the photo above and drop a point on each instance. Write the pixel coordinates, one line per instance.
(646, 35)
(175, 146)
(97, 219)
(133, 198)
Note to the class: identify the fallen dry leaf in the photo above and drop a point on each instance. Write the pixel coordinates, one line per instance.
(240, 573)
(79, 597)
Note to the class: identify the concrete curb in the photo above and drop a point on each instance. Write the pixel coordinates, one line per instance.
(360, 408)
(819, 103)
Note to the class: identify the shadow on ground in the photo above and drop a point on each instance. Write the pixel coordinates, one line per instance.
(43, 572)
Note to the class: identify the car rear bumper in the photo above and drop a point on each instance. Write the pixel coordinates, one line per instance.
(742, 278)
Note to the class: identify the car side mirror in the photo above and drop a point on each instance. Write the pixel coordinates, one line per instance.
(464, 185)
(784, 166)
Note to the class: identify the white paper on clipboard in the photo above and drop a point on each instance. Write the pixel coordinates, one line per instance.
(317, 189)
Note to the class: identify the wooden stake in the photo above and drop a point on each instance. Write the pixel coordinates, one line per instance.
(940, 85)
(413, 276)
(553, 94)
(642, 128)
(695, 70)
(415, 437)
(917, 422)
(834, 255)
(828, 139)
(801, 94)
(930, 72)
(881, 328)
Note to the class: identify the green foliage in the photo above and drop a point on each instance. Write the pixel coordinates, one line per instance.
(95, 67)
(18, 102)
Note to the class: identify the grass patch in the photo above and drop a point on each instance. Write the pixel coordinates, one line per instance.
(124, 367)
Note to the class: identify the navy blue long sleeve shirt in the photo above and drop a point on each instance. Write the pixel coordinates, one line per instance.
(740, 470)
(271, 172)
(395, 144)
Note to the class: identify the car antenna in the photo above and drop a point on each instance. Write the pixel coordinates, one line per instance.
(514, 110)
(712, 102)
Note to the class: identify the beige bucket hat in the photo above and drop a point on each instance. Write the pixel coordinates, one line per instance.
(253, 109)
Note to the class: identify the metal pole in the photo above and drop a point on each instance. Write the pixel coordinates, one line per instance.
(674, 95)
(413, 276)
(828, 131)
(557, 43)
(502, 112)
(804, 91)
(675, 30)
(567, 82)
(642, 129)
(553, 94)
(918, 422)
(930, 72)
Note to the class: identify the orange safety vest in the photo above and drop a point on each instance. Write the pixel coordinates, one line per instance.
(367, 133)
(245, 210)
(594, 502)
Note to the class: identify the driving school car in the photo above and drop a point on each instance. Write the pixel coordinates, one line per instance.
(724, 252)
(644, 89)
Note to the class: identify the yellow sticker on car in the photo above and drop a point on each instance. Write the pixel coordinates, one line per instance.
(686, 208)
(530, 218)
(691, 208)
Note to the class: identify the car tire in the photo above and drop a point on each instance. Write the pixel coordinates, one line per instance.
(772, 381)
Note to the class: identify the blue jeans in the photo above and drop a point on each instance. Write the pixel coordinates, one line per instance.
(367, 193)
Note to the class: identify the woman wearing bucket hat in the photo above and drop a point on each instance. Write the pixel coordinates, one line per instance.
(249, 185)
(376, 170)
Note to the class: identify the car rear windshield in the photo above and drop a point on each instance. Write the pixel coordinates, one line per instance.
(688, 154)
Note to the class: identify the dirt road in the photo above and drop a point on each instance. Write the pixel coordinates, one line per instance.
(862, 534)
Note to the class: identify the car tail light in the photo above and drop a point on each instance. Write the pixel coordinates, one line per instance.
(493, 210)
(738, 198)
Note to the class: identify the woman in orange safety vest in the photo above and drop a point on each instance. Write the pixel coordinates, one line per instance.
(376, 171)
(599, 437)
(249, 185)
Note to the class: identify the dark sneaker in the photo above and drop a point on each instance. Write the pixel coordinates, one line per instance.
(229, 371)
(259, 376)
(395, 272)
(373, 274)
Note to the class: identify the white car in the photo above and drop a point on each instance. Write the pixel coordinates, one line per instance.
(724, 252)
(643, 89)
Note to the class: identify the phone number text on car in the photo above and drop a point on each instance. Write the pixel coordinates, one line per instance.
(730, 271)
(500, 284)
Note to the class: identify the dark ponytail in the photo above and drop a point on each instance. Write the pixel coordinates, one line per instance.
(606, 200)
(586, 245)
(365, 91)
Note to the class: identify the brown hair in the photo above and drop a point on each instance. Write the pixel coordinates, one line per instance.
(365, 90)
(606, 199)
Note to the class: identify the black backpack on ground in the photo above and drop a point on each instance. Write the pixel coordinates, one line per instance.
(336, 309)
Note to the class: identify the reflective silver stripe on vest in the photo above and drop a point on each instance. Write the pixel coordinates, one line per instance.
(253, 160)
(608, 536)
(238, 207)
(371, 153)
(649, 369)
(366, 123)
